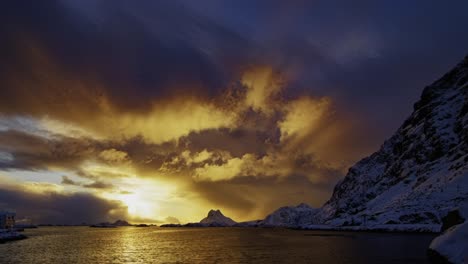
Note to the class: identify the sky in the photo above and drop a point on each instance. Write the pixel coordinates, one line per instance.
(158, 111)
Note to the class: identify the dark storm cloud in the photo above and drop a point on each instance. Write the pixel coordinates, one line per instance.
(335, 48)
(370, 55)
(34, 152)
(98, 185)
(131, 54)
(67, 181)
(236, 141)
(56, 208)
(93, 185)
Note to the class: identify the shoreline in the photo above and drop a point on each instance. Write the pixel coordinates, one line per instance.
(9, 236)
(354, 229)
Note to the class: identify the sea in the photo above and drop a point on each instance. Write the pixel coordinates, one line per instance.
(212, 245)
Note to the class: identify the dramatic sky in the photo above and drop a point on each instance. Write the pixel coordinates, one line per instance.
(157, 111)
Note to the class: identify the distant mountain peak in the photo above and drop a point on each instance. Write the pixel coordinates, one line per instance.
(214, 213)
(216, 217)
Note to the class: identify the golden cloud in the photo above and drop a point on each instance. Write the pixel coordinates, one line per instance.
(262, 86)
(303, 117)
(299, 137)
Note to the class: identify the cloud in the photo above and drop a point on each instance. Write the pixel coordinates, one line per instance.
(250, 198)
(303, 117)
(229, 112)
(262, 86)
(93, 185)
(60, 208)
(67, 181)
(114, 156)
(171, 220)
(29, 151)
(99, 185)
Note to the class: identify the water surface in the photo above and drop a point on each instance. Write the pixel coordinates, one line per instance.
(212, 245)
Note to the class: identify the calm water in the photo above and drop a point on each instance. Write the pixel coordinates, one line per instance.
(211, 245)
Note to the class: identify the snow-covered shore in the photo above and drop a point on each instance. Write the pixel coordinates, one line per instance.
(410, 228)
(452, 245)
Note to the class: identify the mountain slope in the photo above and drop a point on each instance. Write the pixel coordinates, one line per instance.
(290, 216)
(420, 173)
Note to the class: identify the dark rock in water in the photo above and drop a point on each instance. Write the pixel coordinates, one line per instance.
(171, 225)
(104, 225)
(451, 219)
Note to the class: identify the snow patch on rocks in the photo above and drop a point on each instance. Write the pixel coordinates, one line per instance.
(452, 245)
(291, 216)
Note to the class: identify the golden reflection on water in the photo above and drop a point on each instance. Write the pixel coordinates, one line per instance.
(210, 245)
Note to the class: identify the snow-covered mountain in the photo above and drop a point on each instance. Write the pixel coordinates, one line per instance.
(416, 177)
(290, 216)
(216, 218)
(418, 174)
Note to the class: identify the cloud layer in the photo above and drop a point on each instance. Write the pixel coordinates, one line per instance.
(159, 111)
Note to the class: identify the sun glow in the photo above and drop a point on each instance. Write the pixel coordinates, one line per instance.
(137, 205)
(142, 197)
